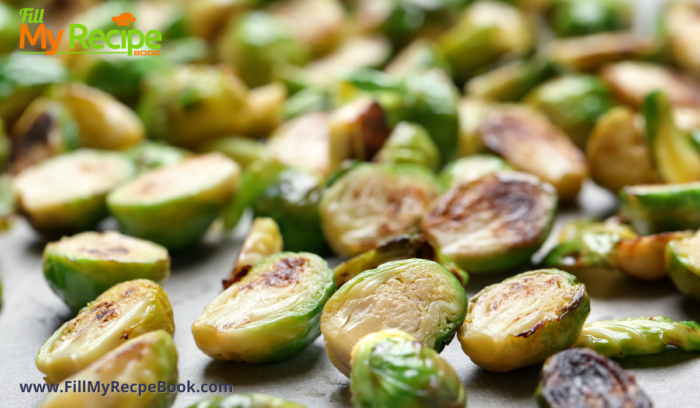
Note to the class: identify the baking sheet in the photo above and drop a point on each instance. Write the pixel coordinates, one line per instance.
(31, 313)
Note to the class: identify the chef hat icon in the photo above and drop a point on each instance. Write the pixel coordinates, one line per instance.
(124, 19)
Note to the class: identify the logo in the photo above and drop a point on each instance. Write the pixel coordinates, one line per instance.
(90, 41)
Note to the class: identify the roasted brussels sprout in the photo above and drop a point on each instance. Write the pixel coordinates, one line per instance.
(510, 81)
(682, 24)
(80, 268)
(373, 203)
(261, 113)
(471, 112)
(127, 310)
(245, 401)
(315, 24)
(291, 288)
(396, 295)
(149, 155)
(583, 378)
(418, 56)
(357, 131)
(684, 265)
(263, 240)
(591, 52)
(174, 205)
(573, 103)
(658, 208)
(67, 193)
(571, 18)
(644, 257)
(531, 144)
(524, 319)
(303, 143)
(307, 100)
(409, 143)
(391, 368)
(149, 361)
(471, 168)
(473, 223)
(617, 153)
(9, 34)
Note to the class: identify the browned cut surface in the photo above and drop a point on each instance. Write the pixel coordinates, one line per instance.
(285, 272)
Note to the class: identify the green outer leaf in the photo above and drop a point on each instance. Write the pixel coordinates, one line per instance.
(245, 401)
(574, 18)
(659, 208)
(684, 273)
(151, 155)
(409, 143)
(254, 181)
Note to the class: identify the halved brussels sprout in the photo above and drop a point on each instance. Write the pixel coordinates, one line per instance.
(417, 296)
(683, 263)
(242, 150)
(571, 18)
(149, 361)
(303, 143)
(474, 224)
(524, 319)
(471, 168)
(617, 153)
(632, 81)
(316, 24)
(418, 56)
(591, 52)
(263, 240)
(67, 193)
(528, 142)
(682, 23)
(510, 81)
(9, 34)
(7, 203)
(80, 268)
(409, 143)
(373, 203)
(245, 401)
(126, 311)
(174, 205)
(471, 112)
(658, 208)
(573, 103)
(401, 247)
(583, 378)
(391, 368)
(272, 314)
(644, 257)
(638, 335)
(149, 155)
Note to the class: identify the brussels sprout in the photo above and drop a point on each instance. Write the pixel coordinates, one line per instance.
(173, 206)
(418, 56)
(149, 155)
(571, 18)
(261, 113)
(9, 33)
(471, 168)
(682, 24)
(632, 81)
(471, 112)
(149, 361)
(644, 257)
(307, 100)
(79, 268)
(126, 311)
(684, 265)
(573, 103)
(391, 368)
(290, 287)
(638, 335)
(524, 319)
(373, 203)
(208, 18)
(583, 378)
(192, 104)
(531, 144)
(245, 401)
(103, 121)
(591, 52)
(659, 208)
(45, 129)
(263, 240)
(509, 82)
(7, 204)
(304, 143)
(401, 247)
(316, 24)
(67, 193)
(242, 150)
(417, 296)
(473, 223)
(617, 154)
(23, 77)
(409, 143)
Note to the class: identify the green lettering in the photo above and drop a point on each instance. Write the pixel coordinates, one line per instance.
(158, 37)
(73, 36)
(135, 45)
(95, 37)
(108, 40)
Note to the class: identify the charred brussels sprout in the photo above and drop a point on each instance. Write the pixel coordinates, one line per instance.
(391, 368)
(7, 204)
(245, 401)
(173, 206)
(149, 155)
(396, 295)
(289, 289)
(682, 24)
(591, 52)
(509, 82)
(79, 268)
(242, 150)
(373, 203)
(127, 310)
(420, 55)
(149, 360)
(573, 103)
(571, 18)
(683, 262)
(524, 319)
(471, 168)
(473, 223)
(67, 193)
(583, 378)
(303, 143)
(263, 240)
(658, 208)
(409, 143)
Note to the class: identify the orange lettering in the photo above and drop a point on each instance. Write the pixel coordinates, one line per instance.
(24, 31)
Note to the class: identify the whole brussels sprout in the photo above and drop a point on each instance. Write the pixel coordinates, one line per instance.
(245, 401)
(9, 32)
(7, 203)
(315, 24)
(263, 240)
(396, 295)
(79, 268)
(473, 222)
(291, 287)
(174, 205)
(682, 22)
(591, 52)
(658, 208)
(524, 319)
(149, 361)
(471, 168)
(573, 103)
(510, 81)
(372, 203)
(242, 150)
(66, 194)
(572, 18)
(126, 311)
(391, 368)
(149, 155)
(304, 143)
(581, 378)
(531, 144)
(683, 265)
(418, 56)
(409, 143)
